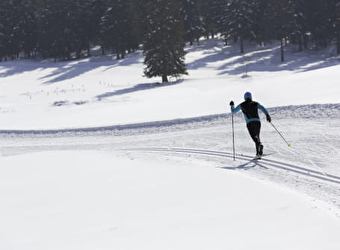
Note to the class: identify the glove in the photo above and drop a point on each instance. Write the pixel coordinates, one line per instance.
(269, 119)
(231, 103)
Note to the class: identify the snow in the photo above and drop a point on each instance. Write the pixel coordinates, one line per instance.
(95, 156)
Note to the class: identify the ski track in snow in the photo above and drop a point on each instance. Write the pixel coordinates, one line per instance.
(309, 166)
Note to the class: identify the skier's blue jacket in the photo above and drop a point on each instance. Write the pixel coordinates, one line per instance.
(250, 110)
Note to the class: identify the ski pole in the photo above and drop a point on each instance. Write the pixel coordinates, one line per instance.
(288, 144)
(232, 127)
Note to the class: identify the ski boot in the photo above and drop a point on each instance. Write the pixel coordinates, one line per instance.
(260, 152)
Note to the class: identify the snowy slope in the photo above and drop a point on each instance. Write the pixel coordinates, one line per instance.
(93, 200)
(101, 91)
(95, 156)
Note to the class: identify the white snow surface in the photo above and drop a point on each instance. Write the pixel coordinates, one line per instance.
(96, 156)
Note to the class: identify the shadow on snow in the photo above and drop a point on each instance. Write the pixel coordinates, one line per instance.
(67, 70)
(136, 88)
(248, 165)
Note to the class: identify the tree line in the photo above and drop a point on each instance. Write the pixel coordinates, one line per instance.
(66, 29)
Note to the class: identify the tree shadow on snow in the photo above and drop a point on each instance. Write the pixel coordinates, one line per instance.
(260, 59)
(70, 70)
(136, 88)
(64, 70)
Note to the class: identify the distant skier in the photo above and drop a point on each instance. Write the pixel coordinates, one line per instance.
(251, 115)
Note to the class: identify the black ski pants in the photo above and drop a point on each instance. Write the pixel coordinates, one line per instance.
(254, 129)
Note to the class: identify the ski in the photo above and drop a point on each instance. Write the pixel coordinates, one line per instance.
(259, 157)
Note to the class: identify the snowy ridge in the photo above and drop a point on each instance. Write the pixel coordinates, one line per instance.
(314, 111)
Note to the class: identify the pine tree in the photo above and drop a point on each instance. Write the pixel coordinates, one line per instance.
(17, 28)
(3, 23)
(282, 22)
(318, 20)
(92, 18)
(263, 20)
(299, 27)
(335, 23)
(54, 31)
(163, 39)
(332, 16)
(239, 21)
(62, 29)
(117, 29)
(29, 30)
(193, 22)
(213, 14)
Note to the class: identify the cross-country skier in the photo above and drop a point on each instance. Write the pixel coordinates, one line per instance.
(251, 115)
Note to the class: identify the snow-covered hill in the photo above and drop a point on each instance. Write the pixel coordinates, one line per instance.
(95, 156)
(102, 91)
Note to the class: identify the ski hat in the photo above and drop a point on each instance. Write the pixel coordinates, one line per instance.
(247, 95)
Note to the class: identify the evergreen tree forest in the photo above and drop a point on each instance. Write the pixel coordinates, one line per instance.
(66, 29)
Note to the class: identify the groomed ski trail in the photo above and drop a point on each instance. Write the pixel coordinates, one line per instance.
(264, 162)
